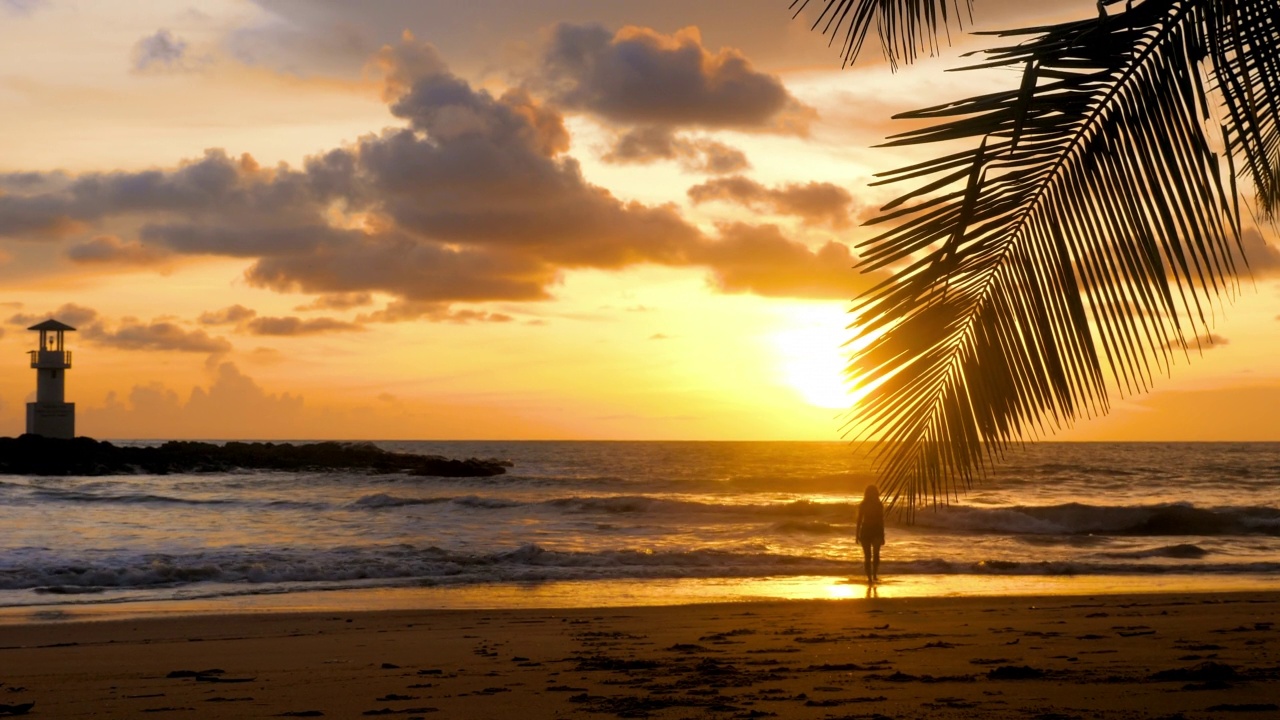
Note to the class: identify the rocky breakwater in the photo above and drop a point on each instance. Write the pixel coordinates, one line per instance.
(36, 455)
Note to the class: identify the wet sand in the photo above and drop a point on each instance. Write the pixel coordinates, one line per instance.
(1115, 656)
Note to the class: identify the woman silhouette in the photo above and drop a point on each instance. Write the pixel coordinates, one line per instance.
(870, 531)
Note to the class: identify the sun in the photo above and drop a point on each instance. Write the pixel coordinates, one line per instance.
(812, 362)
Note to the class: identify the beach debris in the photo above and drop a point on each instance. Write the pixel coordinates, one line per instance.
(723, 637)
(845, 667)
(19, 709)
(405, 711)
(301, 713)
(1015, 672)
(687, 648)
(604, 662)
(940, 644)
(901, 677)
(988, 661)
(194, 673)
(392, 697)
(1208, 671)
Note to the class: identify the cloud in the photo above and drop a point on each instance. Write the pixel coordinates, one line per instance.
(650, 143)
(76, 316)
(155, 335)
(1208, 341)
(131, 334)
(22, 7)
(288, 326)
(230, 315)
(338, 301)
(1263, 258)
(474, 200)
(815, 203)
(641, 77)
(161, 52)
(232, 406)
(760, 259)
(401, 311)
(109, 249)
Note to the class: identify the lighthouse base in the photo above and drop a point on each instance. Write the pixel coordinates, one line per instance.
(54, 420)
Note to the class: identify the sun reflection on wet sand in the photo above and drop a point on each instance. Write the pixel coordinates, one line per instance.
(637, 592)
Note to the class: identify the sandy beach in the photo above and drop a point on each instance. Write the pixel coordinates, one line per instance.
(1114, 656)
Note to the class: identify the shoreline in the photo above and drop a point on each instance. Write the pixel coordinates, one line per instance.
(1187, 655)
(585, 595)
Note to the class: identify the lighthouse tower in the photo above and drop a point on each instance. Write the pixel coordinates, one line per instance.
(50, 415)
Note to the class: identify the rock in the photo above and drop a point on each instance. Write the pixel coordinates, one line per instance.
(37, 455)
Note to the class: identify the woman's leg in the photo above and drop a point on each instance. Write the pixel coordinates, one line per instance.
(875, 565)
(866, 560)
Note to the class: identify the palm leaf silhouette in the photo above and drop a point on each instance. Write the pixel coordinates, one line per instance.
(1088, 232)
(904, 26)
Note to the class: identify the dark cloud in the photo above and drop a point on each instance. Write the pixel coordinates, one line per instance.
(338, 301)
(815, 203)
(761, 260)
(401, 311)
(650, 143)
(230, 315)
(34, 181)
(474, 201)
(642, 77)
(161, 52)
(155, 335)
(289, 325)
(109, 249)
(22, 7)
(1263, 258)
(76, 316)
(1204, 342)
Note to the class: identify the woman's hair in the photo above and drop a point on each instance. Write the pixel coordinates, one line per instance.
(871, 494)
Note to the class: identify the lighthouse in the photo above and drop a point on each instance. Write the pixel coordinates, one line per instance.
(50, 415)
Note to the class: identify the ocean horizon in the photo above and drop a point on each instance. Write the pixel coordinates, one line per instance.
(589, 523)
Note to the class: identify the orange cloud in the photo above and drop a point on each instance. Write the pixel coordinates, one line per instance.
(815, 203)
(639, 76)
(761, 260)
(473, 201)
(651, 143)
(109, 249)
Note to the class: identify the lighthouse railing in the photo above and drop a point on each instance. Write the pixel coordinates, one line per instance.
(50, 358)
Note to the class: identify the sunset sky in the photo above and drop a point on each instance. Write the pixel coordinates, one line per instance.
(482, 219)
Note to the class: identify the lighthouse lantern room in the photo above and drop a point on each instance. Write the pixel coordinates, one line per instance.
(50, 415)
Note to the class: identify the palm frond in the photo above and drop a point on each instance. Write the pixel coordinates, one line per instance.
(1090, 229)
(1246, 59)
(905, 27)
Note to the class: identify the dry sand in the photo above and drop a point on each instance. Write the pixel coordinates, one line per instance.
(1112, 656)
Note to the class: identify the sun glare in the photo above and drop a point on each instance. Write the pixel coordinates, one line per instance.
(812, 363)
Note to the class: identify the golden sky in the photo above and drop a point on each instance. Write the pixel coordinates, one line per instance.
(559, 219)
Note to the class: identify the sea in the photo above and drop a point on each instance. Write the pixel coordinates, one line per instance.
(608, 523)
